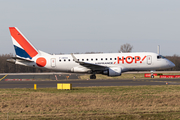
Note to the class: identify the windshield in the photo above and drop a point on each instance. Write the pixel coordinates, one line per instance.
(160, 57)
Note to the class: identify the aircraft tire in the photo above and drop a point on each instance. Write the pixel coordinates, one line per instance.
(152, 76)
(92, 76)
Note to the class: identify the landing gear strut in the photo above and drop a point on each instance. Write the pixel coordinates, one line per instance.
(152, 74)
(93, 76)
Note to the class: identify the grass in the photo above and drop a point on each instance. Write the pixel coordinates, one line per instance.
(127, 102)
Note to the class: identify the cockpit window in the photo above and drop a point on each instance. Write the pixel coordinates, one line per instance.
(160, 57)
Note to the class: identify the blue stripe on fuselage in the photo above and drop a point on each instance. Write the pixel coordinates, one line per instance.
(22, 53)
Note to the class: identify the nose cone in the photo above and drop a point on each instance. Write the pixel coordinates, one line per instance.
(171, 64)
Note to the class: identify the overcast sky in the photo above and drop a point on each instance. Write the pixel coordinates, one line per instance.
(70, 26)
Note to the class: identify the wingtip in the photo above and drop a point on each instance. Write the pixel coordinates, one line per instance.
(75, 59)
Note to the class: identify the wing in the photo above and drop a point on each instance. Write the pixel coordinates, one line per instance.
(89, 65)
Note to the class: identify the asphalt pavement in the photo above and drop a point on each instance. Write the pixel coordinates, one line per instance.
(87, 83)
(51, 80)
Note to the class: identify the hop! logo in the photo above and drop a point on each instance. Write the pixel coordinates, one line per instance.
(129, 59)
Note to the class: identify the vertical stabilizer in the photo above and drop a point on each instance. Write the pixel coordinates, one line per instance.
(22, 46)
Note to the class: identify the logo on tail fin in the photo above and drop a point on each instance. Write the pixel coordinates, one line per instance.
(23, 47)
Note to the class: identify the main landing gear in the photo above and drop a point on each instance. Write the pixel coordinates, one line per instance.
(93, 76)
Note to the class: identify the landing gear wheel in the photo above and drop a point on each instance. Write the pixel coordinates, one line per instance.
(92, 76)
(152, 76)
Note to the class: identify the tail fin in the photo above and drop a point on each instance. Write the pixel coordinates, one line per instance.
(22, 46)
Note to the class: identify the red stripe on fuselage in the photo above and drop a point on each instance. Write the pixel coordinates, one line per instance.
(23, 42)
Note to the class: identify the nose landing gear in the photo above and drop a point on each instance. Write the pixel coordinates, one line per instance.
(152, 74)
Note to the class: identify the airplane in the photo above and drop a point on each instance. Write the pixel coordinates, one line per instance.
(110, 64)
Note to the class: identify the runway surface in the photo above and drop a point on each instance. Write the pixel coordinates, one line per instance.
(50, 80)
(88, 83)
(24, 77)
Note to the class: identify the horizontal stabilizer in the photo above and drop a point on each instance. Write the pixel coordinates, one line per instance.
(11, 61)
(18, 58)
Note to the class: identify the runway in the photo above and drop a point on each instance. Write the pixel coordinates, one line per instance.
(88, 83)
(45, 80)
(36, 76)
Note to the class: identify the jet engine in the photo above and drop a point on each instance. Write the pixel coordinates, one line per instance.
(79, 69)
(113, 71)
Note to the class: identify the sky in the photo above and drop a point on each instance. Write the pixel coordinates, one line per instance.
(71, 26)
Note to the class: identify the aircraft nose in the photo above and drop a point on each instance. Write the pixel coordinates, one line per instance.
(171, 64)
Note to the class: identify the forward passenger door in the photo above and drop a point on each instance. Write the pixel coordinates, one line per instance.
(149, 59)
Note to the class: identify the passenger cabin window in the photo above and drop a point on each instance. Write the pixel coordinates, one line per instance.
(91, 59)
(106, 59)
(101, 58)
(64, 59)
(69, 59)
(82, 59)
(114, 58)
(87, 59)
(96, 59)
(110, 58)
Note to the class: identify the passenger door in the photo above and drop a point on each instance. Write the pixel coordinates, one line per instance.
(53, 62)
(149, 59)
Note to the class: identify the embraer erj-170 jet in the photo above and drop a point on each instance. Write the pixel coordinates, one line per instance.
(111, 64)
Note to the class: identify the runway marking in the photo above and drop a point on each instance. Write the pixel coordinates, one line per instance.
(3, 77)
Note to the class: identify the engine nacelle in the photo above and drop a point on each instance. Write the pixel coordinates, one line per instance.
(79, 69)
(113, 71)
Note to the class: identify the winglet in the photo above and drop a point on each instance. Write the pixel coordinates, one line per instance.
(75, 59)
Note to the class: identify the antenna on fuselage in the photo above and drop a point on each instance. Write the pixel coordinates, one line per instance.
(158, 49)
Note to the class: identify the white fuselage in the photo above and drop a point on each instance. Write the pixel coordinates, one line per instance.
(126, 61)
